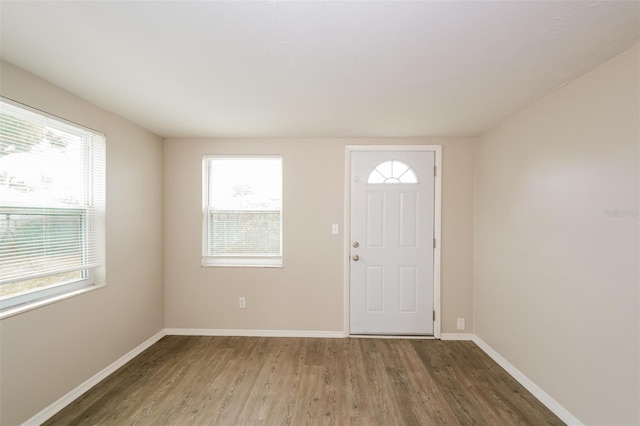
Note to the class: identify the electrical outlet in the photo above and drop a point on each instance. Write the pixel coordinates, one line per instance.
(242, 302)
(460, 324)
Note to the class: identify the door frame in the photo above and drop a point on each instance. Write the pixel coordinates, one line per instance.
(437, 206)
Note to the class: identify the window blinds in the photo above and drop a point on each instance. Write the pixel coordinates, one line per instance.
(52, 198)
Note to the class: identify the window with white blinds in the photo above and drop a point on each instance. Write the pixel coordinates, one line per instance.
(52, 204)
(242, 211)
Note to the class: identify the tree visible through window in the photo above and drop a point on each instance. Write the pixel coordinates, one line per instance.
(242, 206)
(51, 206)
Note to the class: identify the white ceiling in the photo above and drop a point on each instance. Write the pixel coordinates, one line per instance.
(314, 69)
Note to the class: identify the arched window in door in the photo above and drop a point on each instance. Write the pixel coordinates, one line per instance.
(392, 172)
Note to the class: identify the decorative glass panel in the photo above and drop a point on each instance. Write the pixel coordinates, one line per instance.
(392, 172)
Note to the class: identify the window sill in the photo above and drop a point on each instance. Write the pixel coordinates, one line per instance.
(16, 310)
(242, 262)
(244, 266)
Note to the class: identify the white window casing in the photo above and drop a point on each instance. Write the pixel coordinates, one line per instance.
(242, 211)
(52, 206)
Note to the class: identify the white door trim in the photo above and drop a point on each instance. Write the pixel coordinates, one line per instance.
(437, 149)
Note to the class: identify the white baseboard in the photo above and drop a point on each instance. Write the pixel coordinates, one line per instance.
(535, 390)
(52, 409)
(456, 336)
(252, 333)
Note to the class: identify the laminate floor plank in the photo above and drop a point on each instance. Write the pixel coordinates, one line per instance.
(448, 374)
(287, 385)
(263, 395)
(186, 380)
(386, 408)
(429, 401)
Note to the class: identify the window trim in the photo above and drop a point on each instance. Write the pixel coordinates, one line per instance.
(38, 303)
(93, 275)
(237, 261)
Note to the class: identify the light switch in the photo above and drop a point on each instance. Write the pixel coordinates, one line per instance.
(334, 229)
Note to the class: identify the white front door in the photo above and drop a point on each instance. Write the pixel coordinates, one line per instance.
(392, 234)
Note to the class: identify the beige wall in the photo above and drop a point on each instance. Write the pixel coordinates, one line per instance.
(47, 352)
(556, 279)
(307, 294)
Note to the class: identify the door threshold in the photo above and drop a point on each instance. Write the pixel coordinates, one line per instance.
(393, 336)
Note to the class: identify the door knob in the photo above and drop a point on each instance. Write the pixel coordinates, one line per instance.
(356, 257)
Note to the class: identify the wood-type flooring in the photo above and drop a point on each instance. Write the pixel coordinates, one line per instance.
(185, 380)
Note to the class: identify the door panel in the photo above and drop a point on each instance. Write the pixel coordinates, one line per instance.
(375, 289)
(375, 219)
(391, 282)
(408, 219)
(408, 287)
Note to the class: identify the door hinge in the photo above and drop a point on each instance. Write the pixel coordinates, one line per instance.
(434, 316)
(435, 171)
(434, 243)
